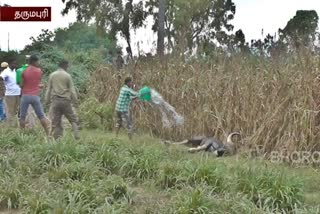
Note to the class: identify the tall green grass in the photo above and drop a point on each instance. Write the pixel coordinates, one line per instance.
(115, 176)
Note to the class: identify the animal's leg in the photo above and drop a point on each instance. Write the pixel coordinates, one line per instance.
(175, 143)
(180, 143)
(197, 149)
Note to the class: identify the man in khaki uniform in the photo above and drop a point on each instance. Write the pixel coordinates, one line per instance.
(60, 95)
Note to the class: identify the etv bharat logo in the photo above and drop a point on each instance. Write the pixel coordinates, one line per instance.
(285, 156)
(25, 14)
(296, 157)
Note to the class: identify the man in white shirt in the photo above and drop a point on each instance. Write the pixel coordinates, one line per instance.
(13, 92)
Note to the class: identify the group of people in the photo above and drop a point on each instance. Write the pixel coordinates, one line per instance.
(19, 91)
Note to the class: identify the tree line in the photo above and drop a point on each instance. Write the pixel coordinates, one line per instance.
(183, 27)
(187, 26)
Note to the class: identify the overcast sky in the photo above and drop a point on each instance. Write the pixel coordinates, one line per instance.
(251, 16)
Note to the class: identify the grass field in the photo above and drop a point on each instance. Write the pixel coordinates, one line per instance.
(102, 174)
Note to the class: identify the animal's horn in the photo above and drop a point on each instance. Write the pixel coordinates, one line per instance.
(229, 138)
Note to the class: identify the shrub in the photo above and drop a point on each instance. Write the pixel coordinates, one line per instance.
(234, 204)
(194, 202)
(181, 173)
(95, 193)
(210, 175)
(60, 153)
(200, 200)
(118, 189)
(16, 141)
(140, 164)
(50, 59)
(108, 157)
(270, 189)
(308, 210)
(82, 170)
(170, 175)
(38, 202)
(11, 187)
(94, 114)
(7, 162)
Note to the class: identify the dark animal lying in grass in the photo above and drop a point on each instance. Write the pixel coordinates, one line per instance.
(210, 144)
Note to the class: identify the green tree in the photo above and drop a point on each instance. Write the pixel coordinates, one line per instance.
(6, 56)
(78, 43)
(238, 43)
(41, 42)
(301, 29)
(192, 22)
(110, 16)
(77, 37)
(82, 37)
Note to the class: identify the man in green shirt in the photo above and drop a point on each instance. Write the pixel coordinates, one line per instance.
(19, 73)
(123, 104)
(60, 95)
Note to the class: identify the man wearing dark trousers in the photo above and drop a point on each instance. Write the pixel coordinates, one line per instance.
(61, 94)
